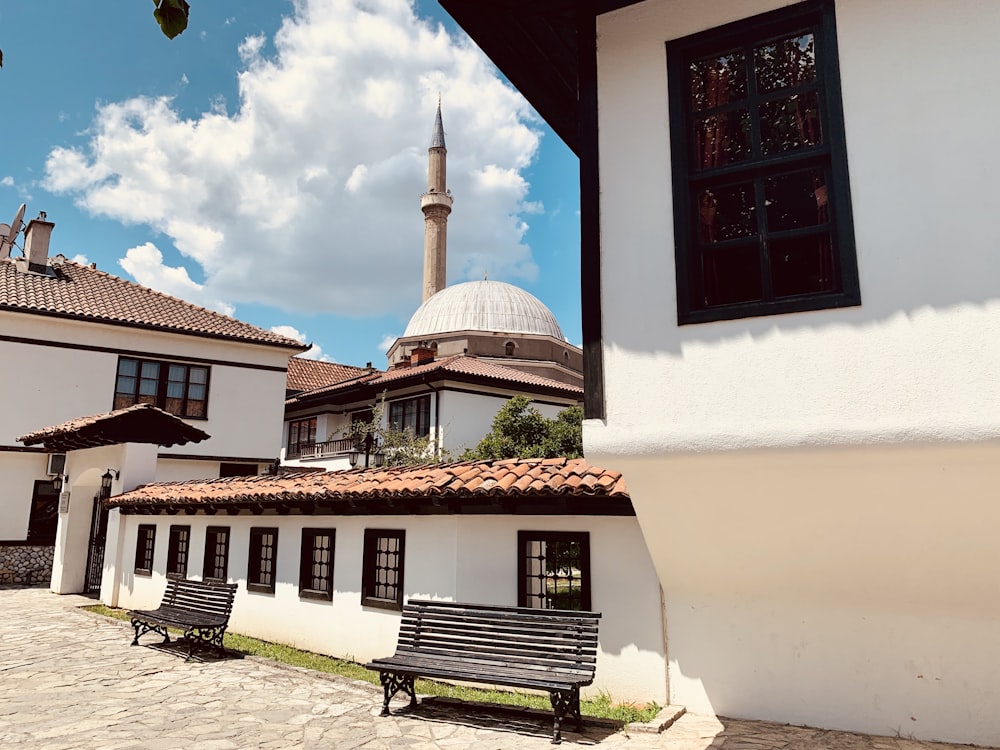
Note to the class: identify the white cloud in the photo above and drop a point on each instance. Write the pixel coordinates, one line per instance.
(306, 197)
(387, 341)
(145, 264)
(7, 181)
(83, 260)
(313, 352)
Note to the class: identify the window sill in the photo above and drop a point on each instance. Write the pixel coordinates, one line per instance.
(313, 594)
(260, 588)
(368, 601)
(758, 310)
(143, 572)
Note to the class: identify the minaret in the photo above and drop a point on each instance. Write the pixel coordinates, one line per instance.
(436, 205)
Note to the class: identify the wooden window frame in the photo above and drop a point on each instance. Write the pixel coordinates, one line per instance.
(145, 547)
(256, 561)
(307, 561)
(178, 551)
(830, 156)
(212, 534)
(370, 567)
(524, 538)
(400, 416)
(294, 447)
(125, 398)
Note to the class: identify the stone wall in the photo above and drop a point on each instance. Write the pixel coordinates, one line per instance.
(26, 564)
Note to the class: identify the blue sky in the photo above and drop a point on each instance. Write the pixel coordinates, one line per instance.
(268, 162)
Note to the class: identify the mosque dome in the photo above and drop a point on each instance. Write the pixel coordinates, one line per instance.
(491, 306)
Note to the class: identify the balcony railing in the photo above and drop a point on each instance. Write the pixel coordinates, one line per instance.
(320, 450)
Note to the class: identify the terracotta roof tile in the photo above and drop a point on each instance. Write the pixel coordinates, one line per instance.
(309, 374)
(514, 479)
(83, 292)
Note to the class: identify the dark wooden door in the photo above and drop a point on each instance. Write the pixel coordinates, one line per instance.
(44, 513)
(95, 551)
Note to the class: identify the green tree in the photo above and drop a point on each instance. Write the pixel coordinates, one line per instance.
(520, 431)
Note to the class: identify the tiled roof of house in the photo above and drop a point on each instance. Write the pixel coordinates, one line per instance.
(459, 365)
(140, 423)
(453, 486)
(76, 291)
(308, 374)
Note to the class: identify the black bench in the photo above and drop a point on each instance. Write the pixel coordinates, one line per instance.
(541, 649)
(201, 609)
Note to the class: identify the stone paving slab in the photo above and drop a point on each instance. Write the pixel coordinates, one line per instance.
(70, 680)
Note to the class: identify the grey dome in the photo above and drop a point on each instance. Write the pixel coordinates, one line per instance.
(483, 306)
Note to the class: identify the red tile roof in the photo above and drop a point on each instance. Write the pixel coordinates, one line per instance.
(452, 485)
(308, 374)
(462, 366)
(141, 423)
(83, 292)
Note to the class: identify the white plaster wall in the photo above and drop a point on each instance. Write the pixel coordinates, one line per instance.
(447, 557)
(920, 358)
(851, 588)
(19, 472)
(466, 418)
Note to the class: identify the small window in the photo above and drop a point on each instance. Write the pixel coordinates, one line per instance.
(553, 570)
(301, 437)
(509, 348)
(411, 414)
(177, 388)
(762, 209)
(216, 567)
(316, 564)
(144, 543)
(261, 559)
(382, 569)
(177, 551)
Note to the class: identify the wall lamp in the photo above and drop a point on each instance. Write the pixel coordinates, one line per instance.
(106, 481)
(58, 481)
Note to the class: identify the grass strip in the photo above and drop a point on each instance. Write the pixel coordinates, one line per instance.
(602, 706)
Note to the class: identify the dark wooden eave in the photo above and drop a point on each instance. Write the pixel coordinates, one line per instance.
(534, 44)
(141, 423)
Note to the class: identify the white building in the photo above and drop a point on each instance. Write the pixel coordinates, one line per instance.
(75, 341)
(325, 560)
(787, 222)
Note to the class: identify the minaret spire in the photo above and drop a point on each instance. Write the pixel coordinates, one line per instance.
(436, 205)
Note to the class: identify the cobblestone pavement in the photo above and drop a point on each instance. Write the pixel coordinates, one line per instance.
(68, 679)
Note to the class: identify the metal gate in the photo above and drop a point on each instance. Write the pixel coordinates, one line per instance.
(95, 551)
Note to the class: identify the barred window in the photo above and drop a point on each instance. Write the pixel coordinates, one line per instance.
(553, 570)
(177, 551)
(316, 564)
(216, 567)
(382, 569)
(144, 544)
(262, 557)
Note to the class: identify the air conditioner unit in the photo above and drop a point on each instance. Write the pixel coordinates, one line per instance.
(56, 465)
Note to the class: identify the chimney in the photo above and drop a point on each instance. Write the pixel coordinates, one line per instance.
(421, 355)
(36, 243)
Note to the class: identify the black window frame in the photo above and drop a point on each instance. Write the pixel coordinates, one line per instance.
(163, 381)
(830, 156)
(527, 537)
(212, 542)
(145, 547)
(413, 412)
(308, 561)
(262, 559)
(178, 550)
(295, 446)
(370, 567)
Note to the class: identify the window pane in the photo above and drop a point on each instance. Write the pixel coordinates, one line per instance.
(151, 370)
(727, 212)
(177, 373)
(128, 366)
(198, 375)
(796, 200)
(722, 139)
(802, 265)
(732, 276)
(785, 63)
(195, 408)
(175, 390)
(125, 385)
(147, 387)
(196, 392)
(789, 124)
(718, 80)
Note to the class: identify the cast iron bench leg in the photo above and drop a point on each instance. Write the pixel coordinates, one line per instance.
(564, 701)
(392, 684)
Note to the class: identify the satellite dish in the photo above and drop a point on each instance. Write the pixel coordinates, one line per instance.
(7, 237)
